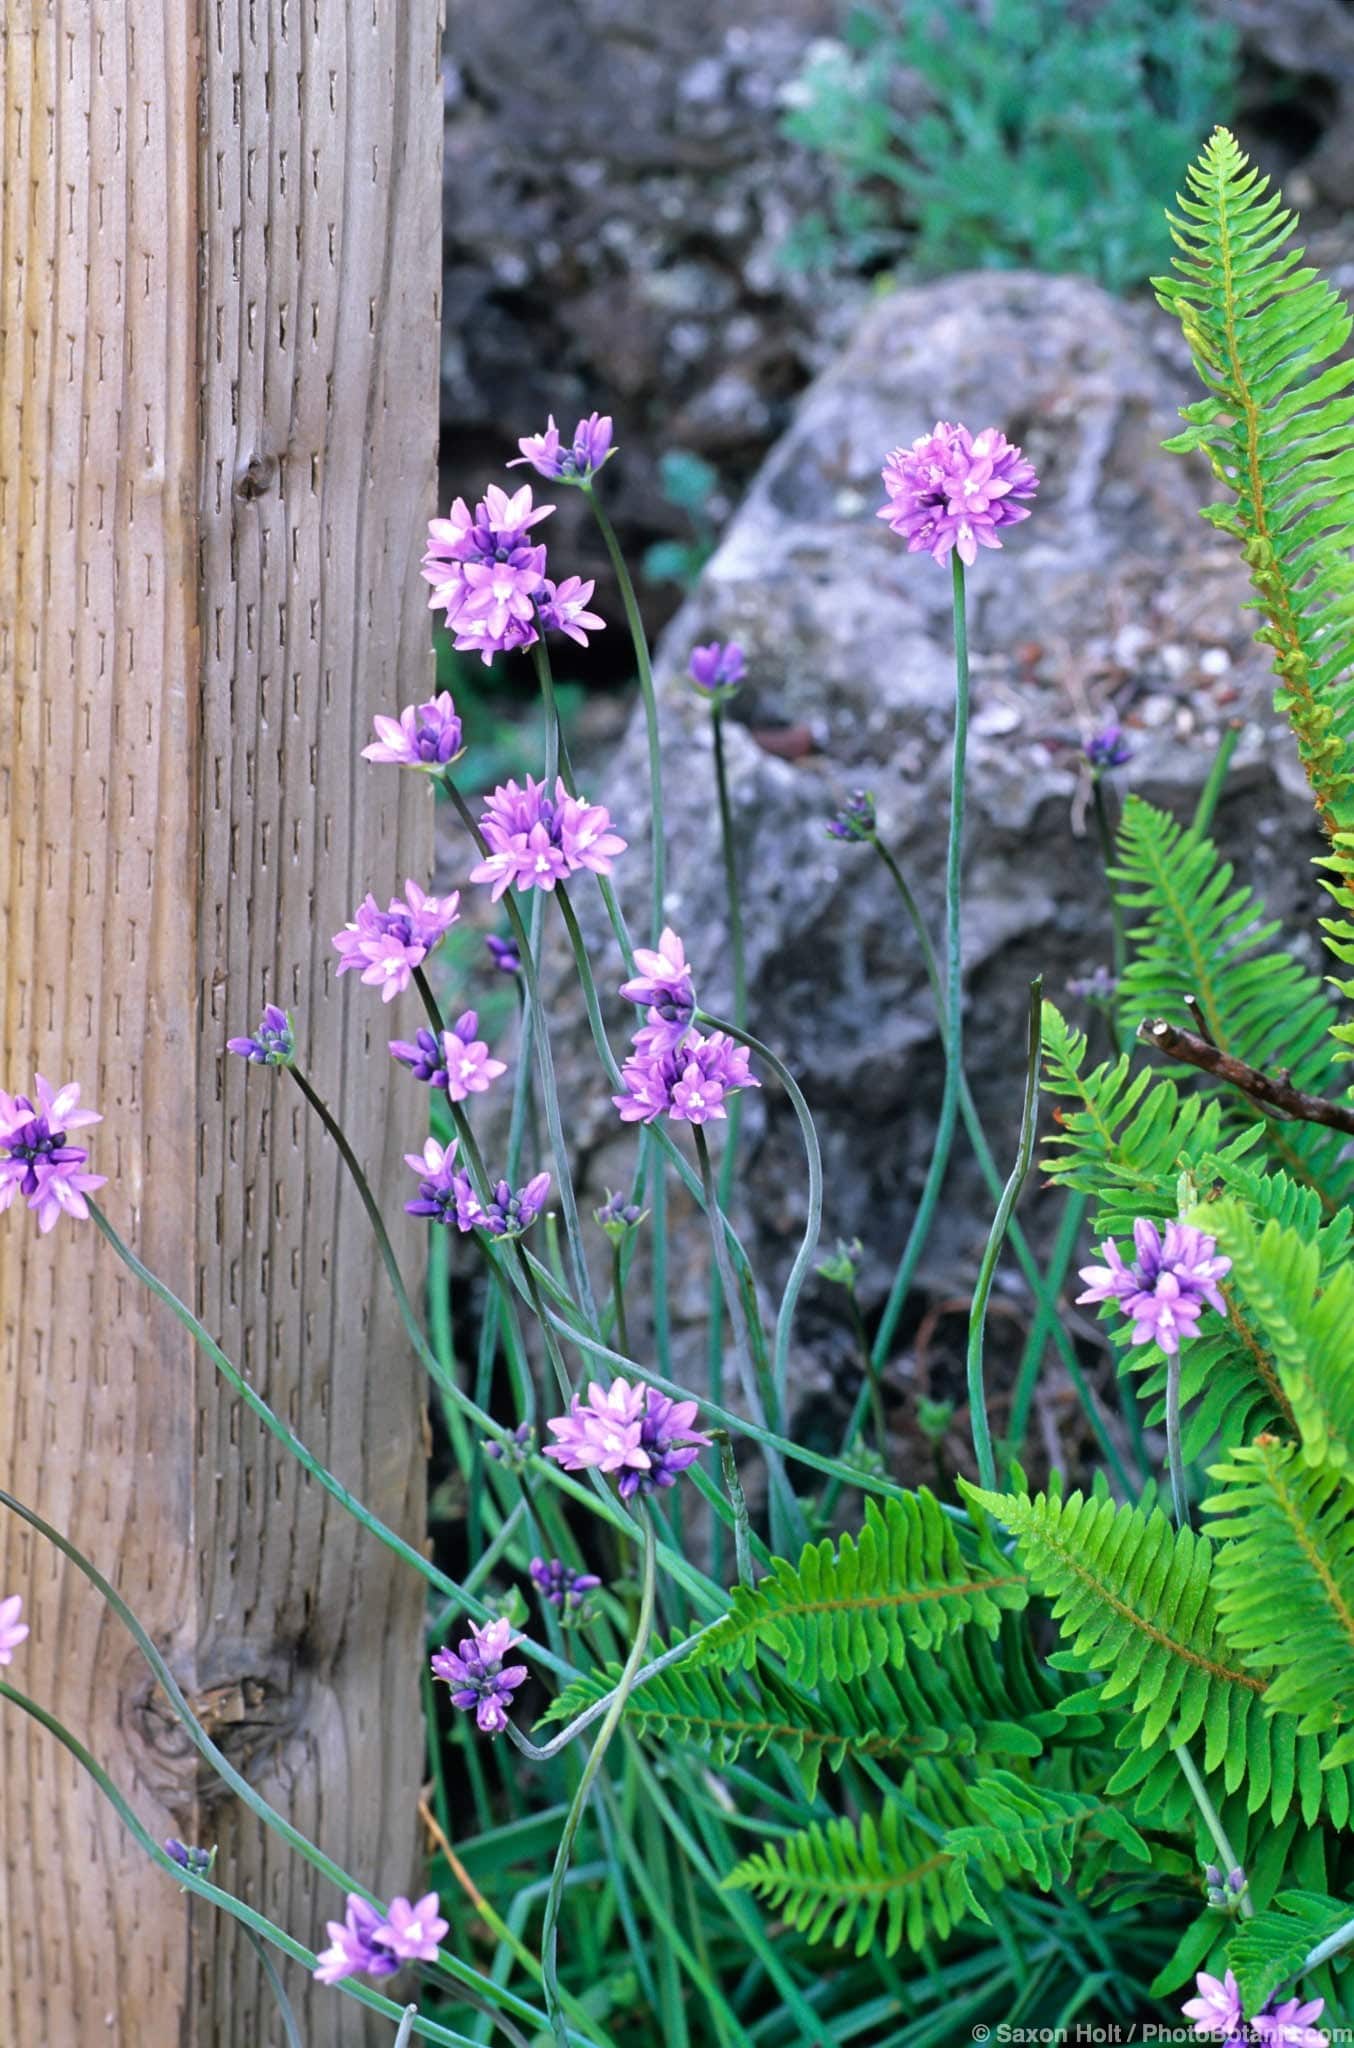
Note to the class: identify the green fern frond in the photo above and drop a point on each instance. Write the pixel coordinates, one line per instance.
(1229, 1385)
(1303, 1314)
(1032, 1831)
(1132, 1598)
(1275, 427)
(1284, 1578)
(1199, 936)
(1265, 1952)
(838, 1881)
(956, 1701)
(1130, 1135)
(905, 1580)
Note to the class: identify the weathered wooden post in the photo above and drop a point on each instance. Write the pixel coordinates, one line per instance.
(219, 262)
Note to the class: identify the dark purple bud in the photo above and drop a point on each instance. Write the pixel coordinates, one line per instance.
(1108, 749)
(274, 1044)
(504, 954)
(856, 818)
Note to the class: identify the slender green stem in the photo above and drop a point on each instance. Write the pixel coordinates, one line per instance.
(738, 962)
(1174, 1456)
(1202, 821)
(977, 1395)
(610, 1723)
(279, 1991)
(639, 639)
(1105, 834)
(541, 659)
(1324, 1950)
(742, 1528)
(1211, 1819)
(1044, 1291)
(803, 1262)
(541, 1753)
(954, 991)
(618, 1296)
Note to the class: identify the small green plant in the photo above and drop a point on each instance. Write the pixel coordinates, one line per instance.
(691, 485)
(1048, 136)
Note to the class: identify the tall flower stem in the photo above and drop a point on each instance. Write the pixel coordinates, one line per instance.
(738, 963)
(977, 1395)
(799, 1271)
(1043, 1290)
(610, 1723)
(1211, 1819)
(1105, 834)
(644, 667)
(545, 677)
(954, 992)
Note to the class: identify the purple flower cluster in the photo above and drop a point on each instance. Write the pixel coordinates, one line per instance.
(635, 1431)
(198, 1861)
(477, 1677)
(515, 1452)
(1217, 2015)
(617, 1217)
(1165, 1289)
(1108, 749)
(446, 1195)
(35, 1159)
(504, 954)
(457, 1062)
(536, 840)
(952, 491)
(665, 987)
(488, 575)
(561, 1585)
(12, 1630)
(576, 464)
(689, 1081)
(389, 944)
(371, 1944)
(856, 819)
(425, 736)
(273, 1044)
(717, 670)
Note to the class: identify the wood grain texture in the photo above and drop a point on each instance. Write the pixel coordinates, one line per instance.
(219, 260)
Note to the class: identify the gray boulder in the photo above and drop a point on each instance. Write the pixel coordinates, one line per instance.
(1115, 600)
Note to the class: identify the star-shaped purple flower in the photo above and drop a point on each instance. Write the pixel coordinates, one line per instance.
(475, 1672)
(952, 491)
(1166, 1288)
(425, 736)
(631, 1430)
(387, 945)
(36, 1159)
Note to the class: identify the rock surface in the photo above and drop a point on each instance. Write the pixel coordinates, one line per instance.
(1113, 600)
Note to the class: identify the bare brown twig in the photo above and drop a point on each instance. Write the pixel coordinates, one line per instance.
(1273, 1091)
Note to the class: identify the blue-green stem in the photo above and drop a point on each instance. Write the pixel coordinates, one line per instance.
(803, 1262)
(954, 990)
(610, 1723)
(742, 1528)
(1212, 1820)
(977, 1393)
(644, 667)
(1324, 1950)
(279, 1991)
(738, 963)
(408, 2017)
(541, 659)
(1044, 1291)
(1105, 834)
(1202, 821)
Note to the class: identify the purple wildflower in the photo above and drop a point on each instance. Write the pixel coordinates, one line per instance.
(1108, 749)
(12, 1630)
(424, 736)
(389, 944)
(563, 608)
(457, 1062)
(617, 1217)
(446, 1195)
(536, 840)
(504, 954)
(411, 1931)
(477, 1677)
(633, 1430)
(856, 819)
(35, 1159)
(1164, 1291)
(352, 1949)
(1289, 2025)
(590, 448)
(515, 1452)
(199, 1861)
(508, 1211)
(954, 490)
(717, 669)
(665, 987)
(273, 1044)
(485, 570)
(688, 1082)
(1096, 987)
(1217, 2009)
(561, 1585)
